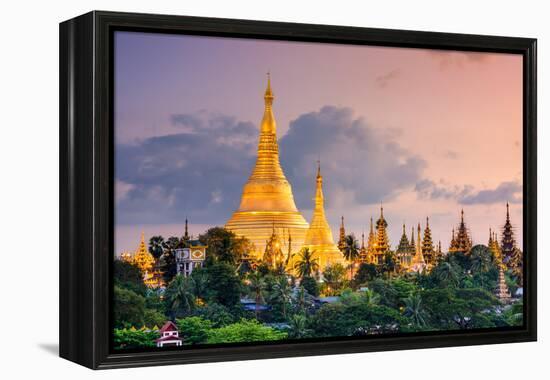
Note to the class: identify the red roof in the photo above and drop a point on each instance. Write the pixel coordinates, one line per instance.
(169, 326)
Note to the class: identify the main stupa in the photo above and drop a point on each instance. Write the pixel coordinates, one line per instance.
(267, 203)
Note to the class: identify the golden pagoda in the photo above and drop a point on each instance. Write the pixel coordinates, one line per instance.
(382, 244)
(418, 262)
(267, 198)
(319, 236)
(142, 258)
(342, 237)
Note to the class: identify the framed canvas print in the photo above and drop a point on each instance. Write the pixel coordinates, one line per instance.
(239, 189)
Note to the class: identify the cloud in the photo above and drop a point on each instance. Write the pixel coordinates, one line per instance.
(360, 164)
(505, 192)
(382, 81)
(199, 172)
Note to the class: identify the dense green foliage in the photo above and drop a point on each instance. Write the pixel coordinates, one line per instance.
(380, 299)
(245, 331)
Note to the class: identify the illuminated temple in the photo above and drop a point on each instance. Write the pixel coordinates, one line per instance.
(267, 203)
(319, 235)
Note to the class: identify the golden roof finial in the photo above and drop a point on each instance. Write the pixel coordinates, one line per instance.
(319, 168)
(268, 96)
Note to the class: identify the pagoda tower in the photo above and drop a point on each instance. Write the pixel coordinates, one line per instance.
(438, 252)
(502, 292)
(363, 253)
(403, 252)
(418, 262)
(273, 253)
(267, 195)
(319, 235)
(427, 245)
(371, 242)
(508, 243)
(462, 242)
(342, 237)
(382, 245)
(142, 258)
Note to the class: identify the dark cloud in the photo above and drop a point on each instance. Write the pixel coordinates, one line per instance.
(382, 81)
(360, 164)
(505, 192)
(199, 173)
(467, 195)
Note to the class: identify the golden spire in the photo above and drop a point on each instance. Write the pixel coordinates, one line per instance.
(342, 237)
(319, 235)
(142, 258)
(267, 163)
(267, 195)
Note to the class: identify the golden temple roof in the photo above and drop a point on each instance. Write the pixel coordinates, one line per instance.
(319, 235)
(267, 198)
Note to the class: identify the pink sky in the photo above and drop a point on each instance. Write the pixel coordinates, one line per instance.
(460, 112)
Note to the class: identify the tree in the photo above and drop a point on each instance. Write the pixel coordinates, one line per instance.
(218, 314)
(447, 273)
(128, 276)
(129, 308)
(307, 264)
(389, 264)
(280, 295)
(194, 330)
(351, 252)
(310, 285)
(298, 327)
(223, 284)
(303, 300)
(334, 278)
(480, 258)
(179, 297)
(156, 246)
(414, 309)
(168, 259)
(199, 281)
(224, 246)
(244, 331)
(346, 319)
(256, 286)
(132, 338)
(365, 273)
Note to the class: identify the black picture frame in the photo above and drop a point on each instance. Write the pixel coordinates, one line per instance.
(87, 196)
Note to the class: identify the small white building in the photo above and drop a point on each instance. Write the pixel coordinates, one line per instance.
(169, 335)
(187, 259)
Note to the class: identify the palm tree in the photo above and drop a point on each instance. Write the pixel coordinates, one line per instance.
(447, 273)
(179, 296)
(256, 286)
(389, 264)
(480, 258)
(156, 246)
(280, 293)
(306, 264)
(415, 310)
(303, 300)
(298, 327)
(199, 282)
(370, 297)
(334, 276)
(351, 252)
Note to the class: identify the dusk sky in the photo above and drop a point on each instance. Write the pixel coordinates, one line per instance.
(425, 132)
